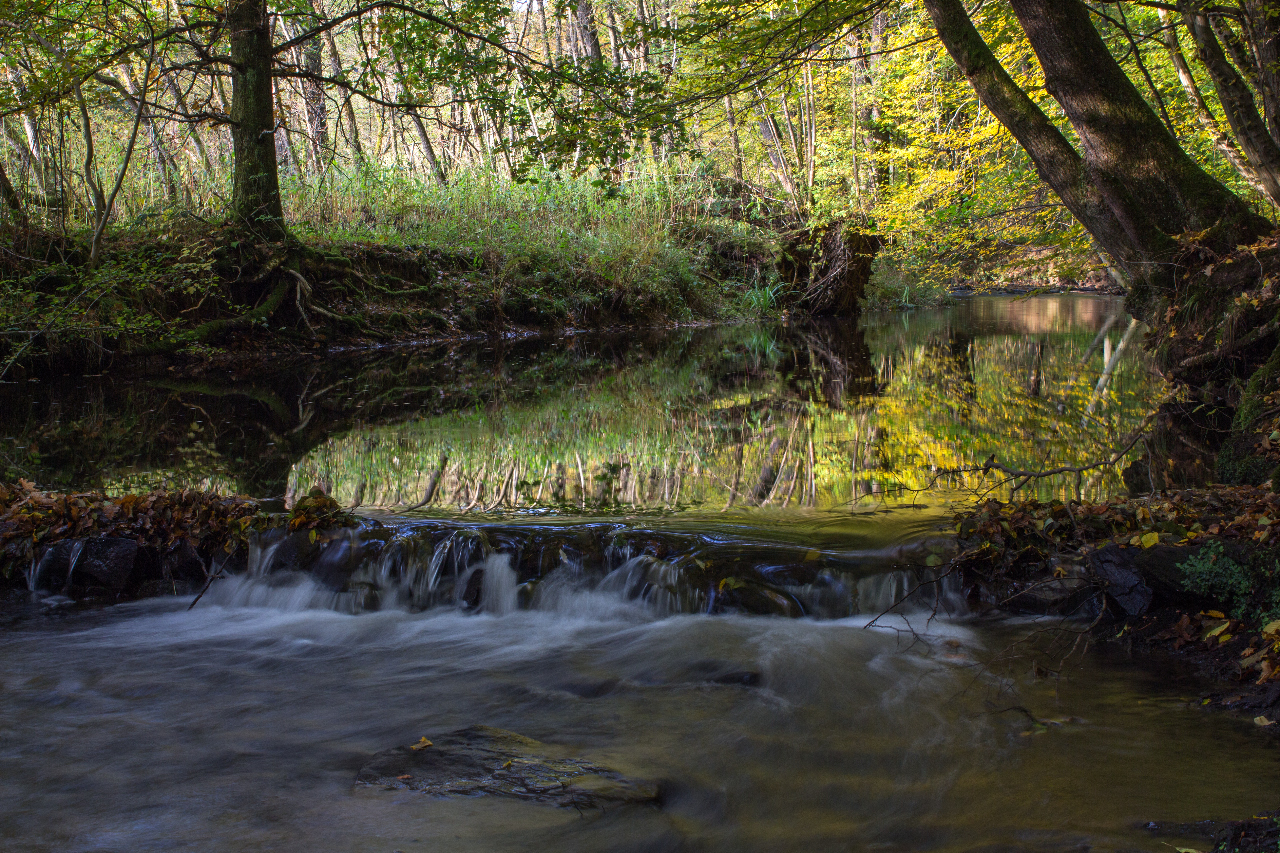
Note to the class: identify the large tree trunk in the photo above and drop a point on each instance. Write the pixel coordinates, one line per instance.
(1128, 148)
(255, 188)
(1056, 161)
(1122, 137)
(1134, 188)
(1249, 127)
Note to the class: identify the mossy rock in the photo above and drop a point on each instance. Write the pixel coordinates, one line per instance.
(1238, 465)
(485, 760)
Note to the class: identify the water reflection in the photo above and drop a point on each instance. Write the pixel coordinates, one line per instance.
(798, 416)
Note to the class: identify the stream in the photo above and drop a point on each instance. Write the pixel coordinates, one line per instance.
(706, 559)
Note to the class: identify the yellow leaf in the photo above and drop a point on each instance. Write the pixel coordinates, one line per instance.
(1215, 614)
(1263, 721)
(422, 744)
(1150, 539)
(1271, 627)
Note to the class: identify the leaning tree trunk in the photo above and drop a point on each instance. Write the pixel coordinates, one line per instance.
(1134, 188)
(255, 190)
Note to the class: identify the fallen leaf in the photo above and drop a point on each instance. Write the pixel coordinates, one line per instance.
(1150, 539)
(1263, 721)
(422, 744)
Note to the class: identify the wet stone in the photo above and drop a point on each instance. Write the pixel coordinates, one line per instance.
(484, 760)
(1122, 579)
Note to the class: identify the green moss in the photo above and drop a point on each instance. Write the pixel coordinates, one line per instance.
(1263, 381)
(1237, 465)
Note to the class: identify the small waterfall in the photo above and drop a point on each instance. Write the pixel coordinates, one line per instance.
(501, 585)
(33, 574)
(77, 548)
(40, 576)
(261, 557)
(590, 570)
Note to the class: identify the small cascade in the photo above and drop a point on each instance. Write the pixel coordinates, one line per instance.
(590, 569)
(500, 587)
(33, 574)
(77, 548)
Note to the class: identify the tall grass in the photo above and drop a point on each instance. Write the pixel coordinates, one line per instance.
(650, 240)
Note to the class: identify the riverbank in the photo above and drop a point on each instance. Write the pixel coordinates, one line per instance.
(98, 548)
(191, 293)
(176, 290)
(1188, 579)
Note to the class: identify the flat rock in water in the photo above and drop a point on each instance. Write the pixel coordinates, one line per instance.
(484, 760)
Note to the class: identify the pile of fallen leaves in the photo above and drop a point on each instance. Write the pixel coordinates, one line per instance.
(1027, 532)
(1211, 630)
(31, 519)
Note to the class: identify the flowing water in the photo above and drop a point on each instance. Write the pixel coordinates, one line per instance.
(631, 608)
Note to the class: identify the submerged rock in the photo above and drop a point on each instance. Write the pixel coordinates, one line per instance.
(485, 760)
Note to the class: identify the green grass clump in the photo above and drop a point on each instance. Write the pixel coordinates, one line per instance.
(568, 245)
(1249, 590)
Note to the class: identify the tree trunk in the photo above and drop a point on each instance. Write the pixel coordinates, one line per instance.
(317, 108)
(1221, 140)
(1134, 189)
(590, 33)
(1250, 129)
(1262, 27)
(1122, 138)
(347, 111)
(1057, 163)
(163, 159)
(733, 136)
(11, 199)
(255, 182)
(192, 128)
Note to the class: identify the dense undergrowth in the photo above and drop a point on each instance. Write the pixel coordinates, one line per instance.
(391, 257)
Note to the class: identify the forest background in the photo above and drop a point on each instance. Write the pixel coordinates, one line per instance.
(536, 163)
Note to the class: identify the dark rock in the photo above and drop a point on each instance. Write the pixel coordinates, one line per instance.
(1049, 595)
(474, 589)
(1156, 570)
(106, 562)
(341, 557)
(1121, 579)
(484, 760)
(745, 678)
(100, 562)
(589, 689)
(1260, 834)
(181, 564)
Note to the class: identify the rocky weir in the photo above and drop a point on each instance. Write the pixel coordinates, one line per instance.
(502, 566)
(94, 549)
